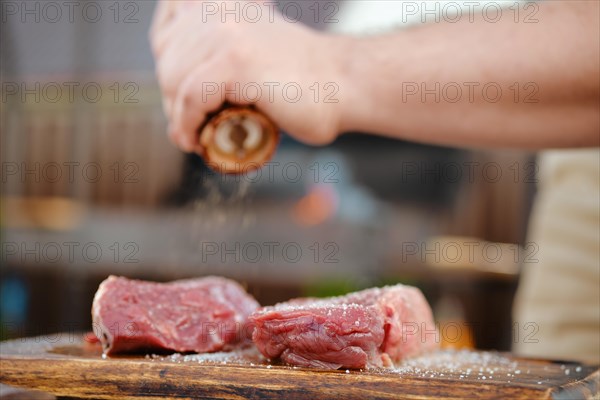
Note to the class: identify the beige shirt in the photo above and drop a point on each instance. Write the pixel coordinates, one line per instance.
(557, 308)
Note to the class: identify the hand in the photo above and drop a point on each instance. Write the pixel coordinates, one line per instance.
(205, 57)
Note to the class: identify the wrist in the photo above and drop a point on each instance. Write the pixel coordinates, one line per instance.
(350, 95)
(334, 84)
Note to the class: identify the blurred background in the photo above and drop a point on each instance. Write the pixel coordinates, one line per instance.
(91, 187)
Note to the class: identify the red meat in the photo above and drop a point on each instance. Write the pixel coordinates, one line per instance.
(194, 315)
(370, 328)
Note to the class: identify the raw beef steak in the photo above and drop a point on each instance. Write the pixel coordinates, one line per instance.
(370, 328)
(194, 315)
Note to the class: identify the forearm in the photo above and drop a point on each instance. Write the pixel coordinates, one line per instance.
(439, 83)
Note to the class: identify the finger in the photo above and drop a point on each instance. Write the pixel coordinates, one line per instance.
(172, 135)
(165, 11)
(166, 35)
(182, 52)
(171, 70)
(176, 138)
(199, 94)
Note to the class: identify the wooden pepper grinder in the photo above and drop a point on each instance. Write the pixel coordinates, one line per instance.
(238, 139)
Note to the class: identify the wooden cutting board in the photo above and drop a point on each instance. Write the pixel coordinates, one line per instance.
(67, 365)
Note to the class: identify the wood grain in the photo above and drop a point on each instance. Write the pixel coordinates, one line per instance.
(66, 365)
